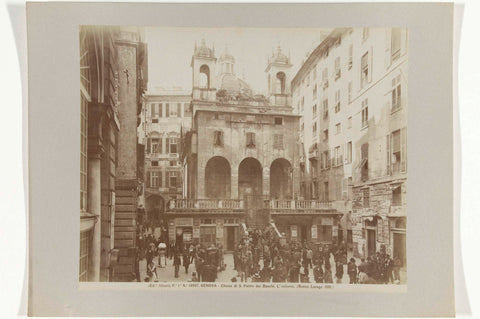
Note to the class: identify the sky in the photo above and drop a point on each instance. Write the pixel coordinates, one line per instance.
(170, 52)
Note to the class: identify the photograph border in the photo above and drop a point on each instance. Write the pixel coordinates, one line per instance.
(54, 153)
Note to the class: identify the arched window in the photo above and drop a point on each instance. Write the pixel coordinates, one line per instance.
(217, 178)
(204, 80)
(281, 83)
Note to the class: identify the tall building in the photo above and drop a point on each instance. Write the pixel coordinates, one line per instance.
(166, 114)
(351, 92)
(133, 63)
(113, 76)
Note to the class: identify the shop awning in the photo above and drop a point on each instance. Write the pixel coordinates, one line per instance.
(371, 216)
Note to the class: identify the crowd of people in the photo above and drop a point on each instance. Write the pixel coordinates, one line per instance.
(158, 251)
(262, 256)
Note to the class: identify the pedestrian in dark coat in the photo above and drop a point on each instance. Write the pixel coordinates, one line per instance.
(177, 263)
(294, 272)
(318, 273)
(209, 273)
(339, 271)
(397, 264)
(186, 261)
(199, 268)
(266, 273)
(388, 266)
(352, 271)
(279, 272)
(328, 274)
(150, 254)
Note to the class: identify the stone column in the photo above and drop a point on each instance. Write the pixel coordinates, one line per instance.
(266, 182)
(296, 182)
(94, 207)
(234, 182)
(200, 182)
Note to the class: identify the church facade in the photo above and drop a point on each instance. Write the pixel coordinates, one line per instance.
(241, 157)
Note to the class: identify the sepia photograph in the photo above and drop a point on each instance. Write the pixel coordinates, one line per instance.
(252, 154)
(243, 155)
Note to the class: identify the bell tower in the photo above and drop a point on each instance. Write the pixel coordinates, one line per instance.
(278, 79)
(203, 73)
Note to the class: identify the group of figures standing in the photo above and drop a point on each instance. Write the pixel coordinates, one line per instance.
(262, 256)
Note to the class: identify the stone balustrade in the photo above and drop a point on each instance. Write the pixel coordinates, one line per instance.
(297, 204)
(192, 204)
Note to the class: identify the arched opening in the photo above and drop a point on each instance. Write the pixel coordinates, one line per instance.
(281, 179)
(204, 80)
(217, 178)
(154, 207)
(281, 82)
(249, 178)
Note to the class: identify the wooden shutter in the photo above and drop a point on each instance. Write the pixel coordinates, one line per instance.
(179, 145)
(160, 179)
(389, 154)
(160, 145)
(332, 157)
(148, 179)
(340, 161)
(152, 110)
(388, 45)
(160, 110)
(167, 110)
(370, 64)
(167, 145)
(221, 137)
(345, 189)
(403, 150)
(403, 41)
(148, 145)
(179, 109)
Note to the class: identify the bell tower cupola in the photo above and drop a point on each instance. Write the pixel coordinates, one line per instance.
(279, 77)
(203, 67)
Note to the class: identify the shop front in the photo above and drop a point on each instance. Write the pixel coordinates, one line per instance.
(399, 240)
(309, 229)
(206, 230)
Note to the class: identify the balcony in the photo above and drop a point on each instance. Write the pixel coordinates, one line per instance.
(205, 204)
(299, 206)
(160, 156)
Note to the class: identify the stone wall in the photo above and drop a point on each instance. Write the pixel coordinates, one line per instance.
(234, 128)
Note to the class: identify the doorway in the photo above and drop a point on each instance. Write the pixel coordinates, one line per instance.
(303, 234)
(371, 242)
(230, 238)
(399, 247)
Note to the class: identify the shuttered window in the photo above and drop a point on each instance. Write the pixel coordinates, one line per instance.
(396, 42)
(365, 113)
(167, 110)
(278, 141)
(218, 138)
(250, 140)
(364, 69)
(396, 93)
(155, 145)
